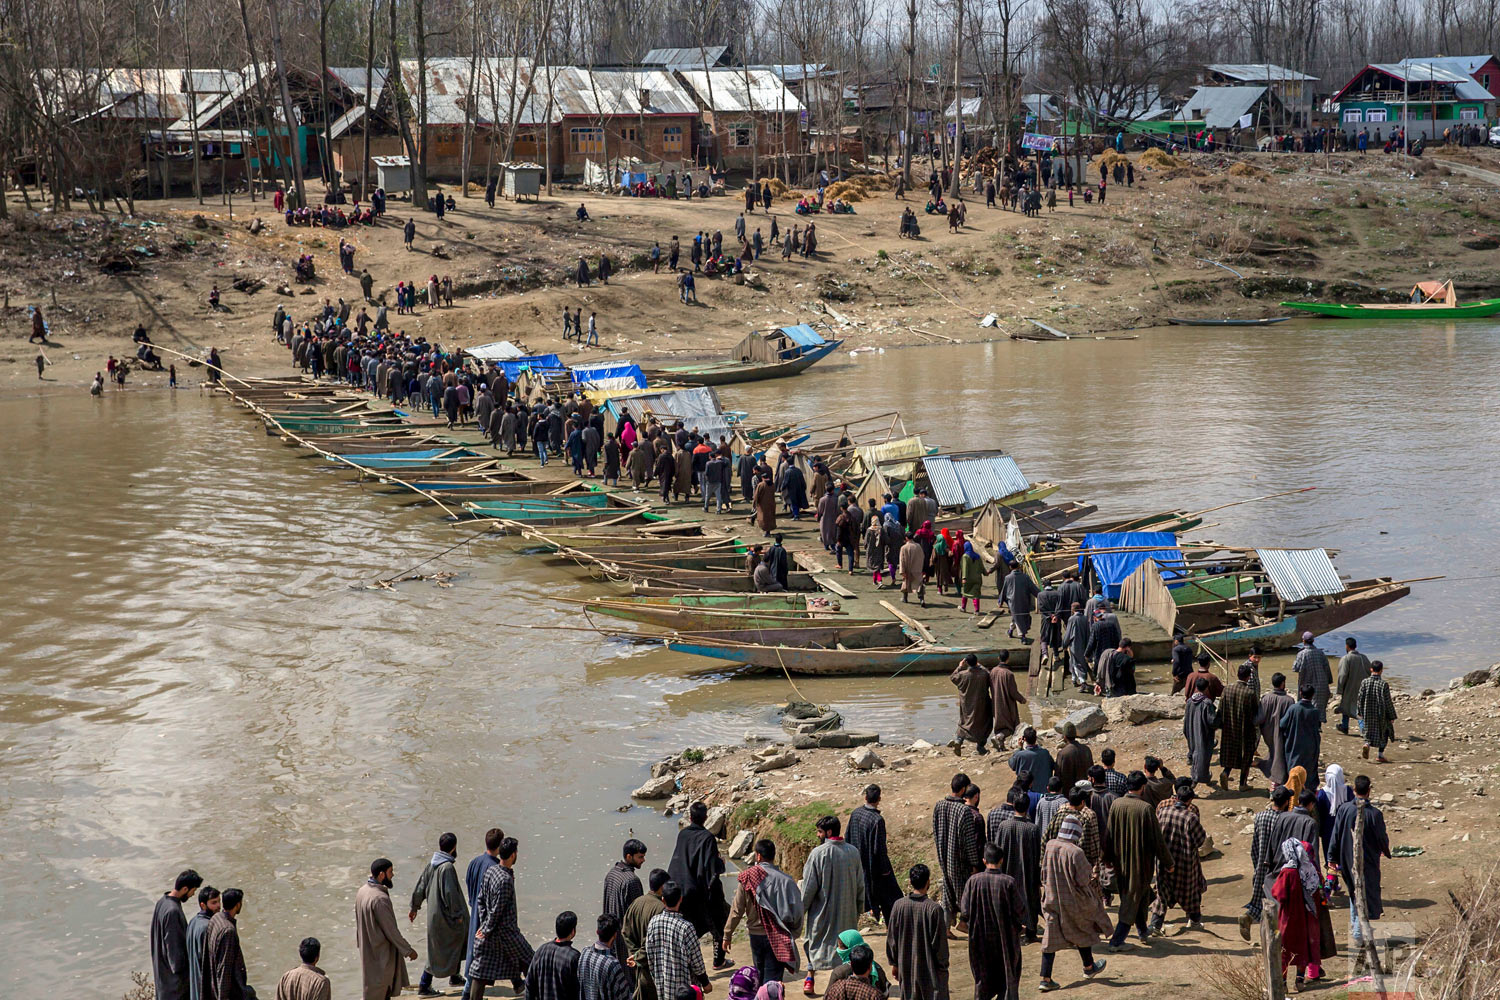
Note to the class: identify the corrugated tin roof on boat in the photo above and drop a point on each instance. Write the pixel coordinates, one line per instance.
(1297, 574)
(971, 482)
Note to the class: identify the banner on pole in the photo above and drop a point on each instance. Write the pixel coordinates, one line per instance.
(1039, 143)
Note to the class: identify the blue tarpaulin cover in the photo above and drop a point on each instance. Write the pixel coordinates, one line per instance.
(1112, 568)
(610, 376)
(535, 362)
(803, 335)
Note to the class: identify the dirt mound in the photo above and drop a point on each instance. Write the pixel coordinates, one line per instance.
(1168, 165)
(1248, 171)
(847, 190)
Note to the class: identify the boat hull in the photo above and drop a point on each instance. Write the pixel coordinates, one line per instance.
(730, 373)
(1485, 307)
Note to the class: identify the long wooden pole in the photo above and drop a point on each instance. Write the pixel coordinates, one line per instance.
(1268, 496)
(1367, 942)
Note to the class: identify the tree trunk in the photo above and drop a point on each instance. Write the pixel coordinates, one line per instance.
(398, 96)
(955, 185)
(419, 166)
(911, 79)
(325, 157)
(187, 42)
(293, 133)
(260, 102)
(369, 120)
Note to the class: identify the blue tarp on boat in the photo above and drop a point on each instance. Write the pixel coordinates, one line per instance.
(609, 376)
(1112, 567)
(803, 335)
(534, 362)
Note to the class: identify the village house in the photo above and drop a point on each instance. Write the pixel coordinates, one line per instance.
(1255, 109)
(746, 115)
(1423, 97)
(1286, 88)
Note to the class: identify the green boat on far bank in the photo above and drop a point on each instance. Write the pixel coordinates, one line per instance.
(1428, 300)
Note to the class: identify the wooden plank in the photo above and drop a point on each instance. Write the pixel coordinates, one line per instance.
(909, 620)
(828, 583)
(988, 620)
(1034, 667)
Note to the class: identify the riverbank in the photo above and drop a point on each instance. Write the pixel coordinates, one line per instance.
(1437, 794)
(1282, 226)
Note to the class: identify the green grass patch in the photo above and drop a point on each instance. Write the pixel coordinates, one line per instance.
(798, 825)
(693, 755)
(750, 815)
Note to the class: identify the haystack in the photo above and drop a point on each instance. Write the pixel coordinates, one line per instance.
(1248, 171)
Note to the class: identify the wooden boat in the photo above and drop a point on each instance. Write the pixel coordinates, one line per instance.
(846, 635)
(730, 372)
(1428, 300)
(687, 580)
(662, 563)
(1265, 321)
(359, 445)
(452, 455)
(800, 604)
(519, 521)
(912, 659)
(657, 536)
(717, 554)
(1045, 334)
(687, 619)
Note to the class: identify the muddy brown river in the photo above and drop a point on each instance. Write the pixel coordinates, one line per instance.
(192, 674)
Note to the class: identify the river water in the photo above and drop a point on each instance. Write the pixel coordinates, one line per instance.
(192, 673)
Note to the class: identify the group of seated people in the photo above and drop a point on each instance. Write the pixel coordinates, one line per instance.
(719, 264)
(305, 267)
(330, 218)
(939, 207)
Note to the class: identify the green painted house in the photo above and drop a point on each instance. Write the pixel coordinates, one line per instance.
(1427, 96)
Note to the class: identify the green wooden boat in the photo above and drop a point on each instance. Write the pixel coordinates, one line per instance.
(498, 508)
(1484, 307)
(1427, 300)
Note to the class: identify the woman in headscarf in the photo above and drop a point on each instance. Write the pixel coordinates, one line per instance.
(971, 577)
(927, 538)
(744, 983)
(942, 561)
(875, 549)
(1299, 892)
(894, 539)
(1334, 793)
